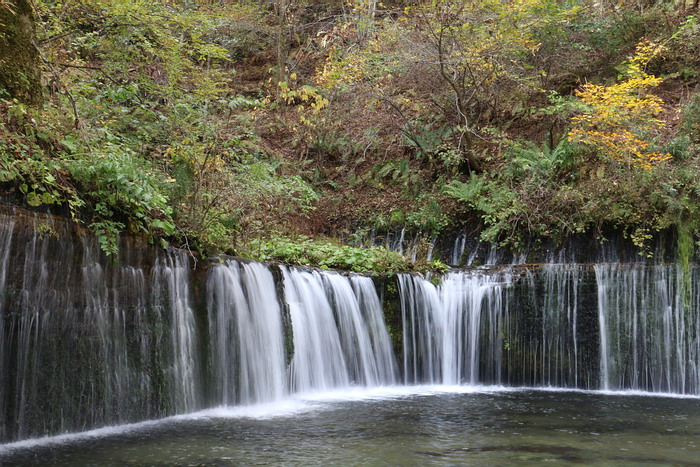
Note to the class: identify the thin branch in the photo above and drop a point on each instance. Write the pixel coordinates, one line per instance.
(57, 77)
(88, 67)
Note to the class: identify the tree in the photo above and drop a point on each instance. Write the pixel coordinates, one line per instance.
(478, 48)
(365, 12)
(621, 117)
(20, 76)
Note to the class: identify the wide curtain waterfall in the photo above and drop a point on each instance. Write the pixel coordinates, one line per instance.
(650, 328)
(87, 342)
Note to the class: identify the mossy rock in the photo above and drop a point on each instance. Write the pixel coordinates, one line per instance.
(20, 76)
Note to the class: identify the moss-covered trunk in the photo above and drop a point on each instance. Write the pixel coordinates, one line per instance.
(19, 60)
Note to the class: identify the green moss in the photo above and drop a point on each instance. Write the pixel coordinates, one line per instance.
(19, 60)
(686, 250)
(686, 247)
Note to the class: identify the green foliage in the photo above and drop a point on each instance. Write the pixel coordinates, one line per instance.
(147, 82)
(396, 171)
(26, 162)
(330, 143)
(428, 218)
(680, 147)
(260, 181)
(107, 233)
(608, 33)
(328, 254)
(680, 58)
(114, 186)
(528, 160)
(428, 139)
(690, 123)
(118, 185)
(496, 204)
(225, 189)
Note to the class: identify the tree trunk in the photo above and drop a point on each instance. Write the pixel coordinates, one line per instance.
(282, 7)
(20, 76)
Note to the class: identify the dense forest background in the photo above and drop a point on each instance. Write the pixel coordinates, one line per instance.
(299, 129)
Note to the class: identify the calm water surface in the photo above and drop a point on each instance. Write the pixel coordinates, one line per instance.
(398, 426)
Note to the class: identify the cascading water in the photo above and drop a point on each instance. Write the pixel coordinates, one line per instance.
(116, 327)
(85, 342)
(318, 361)
(481, 327)
(339, 335)
(171, 295)
(106, 343)
(373, 315)
(445, 334)
(247, 342)
(460, 244)
(555, 350)
(649, 328)
(5, 244)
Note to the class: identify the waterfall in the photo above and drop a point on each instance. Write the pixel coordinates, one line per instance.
(458, 248)
(481, 327)
(649, 328)
(449, 328)
(117, 322)
(171, 295)
(318, 361)
(87, 342)
(373, 314)
(245, 325)
(339, 333)
(559, 353)
(418, 298)
(5, 243)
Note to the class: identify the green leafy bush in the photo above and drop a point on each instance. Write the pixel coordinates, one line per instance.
(496, 203)
(327, 254)
(121, 189)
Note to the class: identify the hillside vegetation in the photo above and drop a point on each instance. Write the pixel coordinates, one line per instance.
(299, 129)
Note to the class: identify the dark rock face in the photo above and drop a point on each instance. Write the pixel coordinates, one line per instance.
(84, 341)
(552, 329)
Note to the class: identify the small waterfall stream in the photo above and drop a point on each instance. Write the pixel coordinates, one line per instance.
(5, 242)
(171, 295)
(245, 325)
(448, 327)
(339, 333)
(85, 342)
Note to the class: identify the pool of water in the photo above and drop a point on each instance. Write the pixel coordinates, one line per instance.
(398, 426)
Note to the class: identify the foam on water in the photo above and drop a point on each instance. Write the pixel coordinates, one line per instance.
(69, 438)
(604, 392)
(299, 404)
(283, 408)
